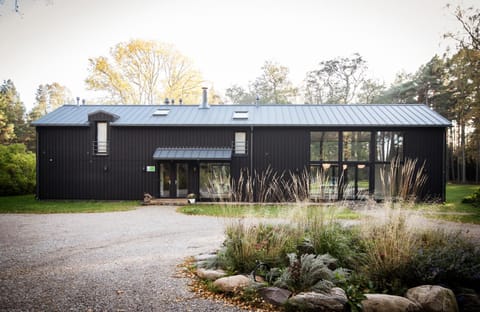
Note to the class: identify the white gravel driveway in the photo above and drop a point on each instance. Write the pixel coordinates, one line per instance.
(121, 261)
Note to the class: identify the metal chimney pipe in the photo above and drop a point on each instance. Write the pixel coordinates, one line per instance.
(83, 101)
(78, 100)
(204, 98)
(180, 101)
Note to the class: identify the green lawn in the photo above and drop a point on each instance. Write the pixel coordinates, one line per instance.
(453, 209)
(262, 211)
(28, 204)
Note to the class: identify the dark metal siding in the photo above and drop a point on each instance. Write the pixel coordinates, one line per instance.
(428, 144)
(74, 173)
(283, 149)
(68, 170)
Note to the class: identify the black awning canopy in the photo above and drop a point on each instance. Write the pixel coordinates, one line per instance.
(192, 153)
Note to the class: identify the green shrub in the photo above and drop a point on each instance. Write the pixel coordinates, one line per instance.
(310, 273)
(246, 245)
(473, 199)
(447, 259)
(17, 170)
(327, 236)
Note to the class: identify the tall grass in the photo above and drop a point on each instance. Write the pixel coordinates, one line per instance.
(247, 245)
(388, 252)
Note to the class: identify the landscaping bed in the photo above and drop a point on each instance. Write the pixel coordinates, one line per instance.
(314, 260)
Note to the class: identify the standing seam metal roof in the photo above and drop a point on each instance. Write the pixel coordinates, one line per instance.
(399, 115)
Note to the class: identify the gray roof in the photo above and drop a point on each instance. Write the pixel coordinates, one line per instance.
(369, 115)
(192, 153)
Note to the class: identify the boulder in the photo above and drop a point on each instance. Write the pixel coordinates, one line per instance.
(388, 303)
(333, 301)
(232, 283)
(433, 298)
(274, 295)
(210, 274)
(468, 300)
(204, 257)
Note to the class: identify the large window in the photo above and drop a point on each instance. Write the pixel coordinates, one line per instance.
(324, 181)
(356, 181)
(240, 143)
(215, 180)
(389, 146)
(323, 146)
(356, 145)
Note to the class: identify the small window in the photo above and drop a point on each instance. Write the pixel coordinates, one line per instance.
(102, 139)
(240, 143)
(240, 115)
(161, 112)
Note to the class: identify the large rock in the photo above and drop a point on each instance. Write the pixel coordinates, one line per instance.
(210, 274)
(468, 300)
(274, 295)
(333, 301)
(232, 283)
(388, 303)
(433, 298)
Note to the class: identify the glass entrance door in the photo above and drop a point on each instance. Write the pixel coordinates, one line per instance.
(181, 181)
(173, 179)
(165, 181)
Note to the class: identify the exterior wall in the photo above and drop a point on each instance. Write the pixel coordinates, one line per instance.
(428, 145)
(67, 168)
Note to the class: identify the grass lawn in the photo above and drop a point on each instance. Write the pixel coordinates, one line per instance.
(453, 209)
(261, 211)
(28, 204)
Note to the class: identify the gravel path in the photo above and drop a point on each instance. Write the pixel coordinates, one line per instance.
(122, 261)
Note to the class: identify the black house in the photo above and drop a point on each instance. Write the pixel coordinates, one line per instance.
(124, 151)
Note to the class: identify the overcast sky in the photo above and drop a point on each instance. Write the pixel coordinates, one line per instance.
(51, 40)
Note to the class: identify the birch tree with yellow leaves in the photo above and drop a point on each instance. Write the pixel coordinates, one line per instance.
(144, 72)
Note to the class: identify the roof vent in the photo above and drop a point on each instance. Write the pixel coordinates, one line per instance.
(161, 112)
(240, 115)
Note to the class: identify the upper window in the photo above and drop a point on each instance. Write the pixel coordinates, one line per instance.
(102, 140)
(389, 145)
(356, 145)
(240, 115)
(240, 142)
(323, 146)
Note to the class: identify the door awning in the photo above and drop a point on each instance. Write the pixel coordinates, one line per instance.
(191, 153)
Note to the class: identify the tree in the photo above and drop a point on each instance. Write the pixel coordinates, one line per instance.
(402, 91)
(370, 91)
(273, 85)
(17, 170)
(469, 36)
(466, 91)
(145, 72)
(238, 95)
(463, 77)
(336, 81)
(49, 97)
(12, 114)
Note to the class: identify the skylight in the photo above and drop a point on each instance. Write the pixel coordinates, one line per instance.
(161, 112)
(240, 115)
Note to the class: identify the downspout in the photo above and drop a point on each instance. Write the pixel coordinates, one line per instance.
(444, 165)
(251, 160)
(251, 150)
(37, 166)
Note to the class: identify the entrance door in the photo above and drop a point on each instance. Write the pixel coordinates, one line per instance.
(181, 181)
(173, 179)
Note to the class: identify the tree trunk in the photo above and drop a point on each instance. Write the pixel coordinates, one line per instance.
(464, 167)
